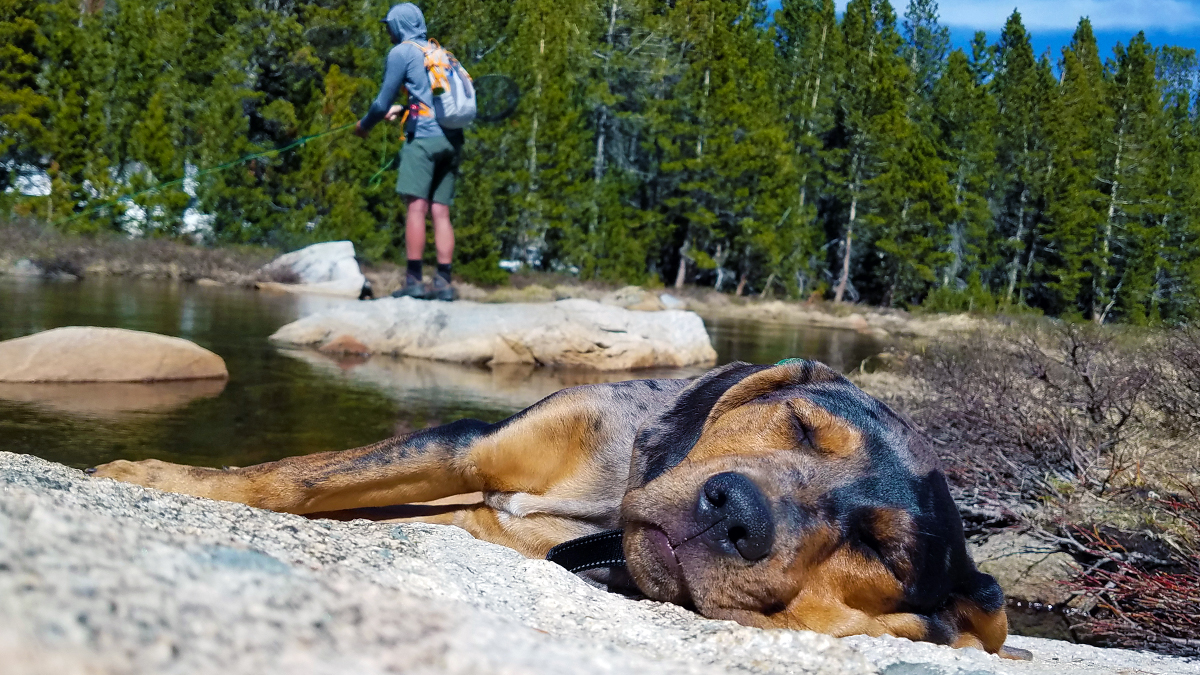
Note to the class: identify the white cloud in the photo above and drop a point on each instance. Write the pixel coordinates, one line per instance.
(1134, 15)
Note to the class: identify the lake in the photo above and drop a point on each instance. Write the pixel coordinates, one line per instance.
(285, 402)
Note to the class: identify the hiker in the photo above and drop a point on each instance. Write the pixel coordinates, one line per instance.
(430, 157)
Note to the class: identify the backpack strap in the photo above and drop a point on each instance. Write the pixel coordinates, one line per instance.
(435, 67)
(419, 109)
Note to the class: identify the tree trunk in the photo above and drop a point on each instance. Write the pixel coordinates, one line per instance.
(531, 233)
(598, 165)
(681, 274)
(703, 101)
(1019, 238)
(602, 122)
(956, 230)
(820, 61)
(845, 276)
(1100, 287)
(741, 285)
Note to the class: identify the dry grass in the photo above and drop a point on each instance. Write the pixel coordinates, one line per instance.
(1142, 600)
(1087, 436)
(78, 255)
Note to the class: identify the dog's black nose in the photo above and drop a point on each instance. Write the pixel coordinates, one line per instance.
(736, 516)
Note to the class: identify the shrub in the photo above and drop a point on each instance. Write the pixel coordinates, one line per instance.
(1037, 407)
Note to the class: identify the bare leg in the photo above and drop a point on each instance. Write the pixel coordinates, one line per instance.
(443, 233)
(414, 228)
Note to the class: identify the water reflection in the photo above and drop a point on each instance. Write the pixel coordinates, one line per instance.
(766, 342)
(417, 382)
(278, 403)
(110, 399)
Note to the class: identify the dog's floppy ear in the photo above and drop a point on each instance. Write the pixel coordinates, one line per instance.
(664, 442)
(964, 604)
(667, 440)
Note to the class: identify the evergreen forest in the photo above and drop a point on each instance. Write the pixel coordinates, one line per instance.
(789, 153)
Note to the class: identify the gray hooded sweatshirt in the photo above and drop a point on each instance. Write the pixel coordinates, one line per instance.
(405, 66)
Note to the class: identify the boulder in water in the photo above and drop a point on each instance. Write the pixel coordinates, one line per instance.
(92, 354)
(568, 333)
(328, 268)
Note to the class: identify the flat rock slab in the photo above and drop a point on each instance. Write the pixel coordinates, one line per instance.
(92, 354)
(104, 577)
(568, 333)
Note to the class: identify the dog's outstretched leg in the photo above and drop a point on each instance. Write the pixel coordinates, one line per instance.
(556, 440)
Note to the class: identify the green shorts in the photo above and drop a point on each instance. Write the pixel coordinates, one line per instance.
(429, 167)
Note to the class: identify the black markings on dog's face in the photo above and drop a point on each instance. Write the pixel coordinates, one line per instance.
(849, 482)
(665, 442)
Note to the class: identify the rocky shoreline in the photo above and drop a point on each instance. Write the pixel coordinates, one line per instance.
(27, 251)
(103, 577)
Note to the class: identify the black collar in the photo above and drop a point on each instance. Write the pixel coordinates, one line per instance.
(602, 549)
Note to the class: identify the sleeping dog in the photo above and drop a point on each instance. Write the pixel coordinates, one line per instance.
(775, 496)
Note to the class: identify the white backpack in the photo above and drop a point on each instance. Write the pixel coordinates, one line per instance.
(453, 93)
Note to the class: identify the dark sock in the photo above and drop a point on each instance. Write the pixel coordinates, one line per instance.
(444, 271)
(414, 269)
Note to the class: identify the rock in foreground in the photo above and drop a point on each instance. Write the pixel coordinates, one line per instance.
(567, 333)
(91, 354)
(104, 577)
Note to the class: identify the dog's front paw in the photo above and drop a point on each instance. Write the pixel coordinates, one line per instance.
(197, 481)
(147, 472)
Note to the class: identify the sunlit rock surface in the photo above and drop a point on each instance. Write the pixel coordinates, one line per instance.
(328, 268)
(568, 333)
(102, 577)
(92, 354)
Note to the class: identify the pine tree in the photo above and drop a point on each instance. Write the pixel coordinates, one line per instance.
(22, 107)
(1077, 130)
(876, 137)
(917, 205)
(1019, 88)
(1176, 295)
(927, 43)
(965, 113)
(811, 56)
(694, 141)
(1128, 246)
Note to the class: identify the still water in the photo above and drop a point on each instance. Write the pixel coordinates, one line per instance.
(287, 402)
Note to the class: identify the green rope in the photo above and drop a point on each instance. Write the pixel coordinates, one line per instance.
(385, 163)
(214, 169)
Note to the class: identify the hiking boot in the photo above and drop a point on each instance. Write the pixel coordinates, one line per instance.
(413, 288)
(442, 290)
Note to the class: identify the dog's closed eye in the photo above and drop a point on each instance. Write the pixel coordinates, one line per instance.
(823, 431)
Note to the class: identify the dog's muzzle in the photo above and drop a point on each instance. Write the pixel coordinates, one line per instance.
(735, 518)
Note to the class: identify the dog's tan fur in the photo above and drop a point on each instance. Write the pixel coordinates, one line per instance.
(576, 463)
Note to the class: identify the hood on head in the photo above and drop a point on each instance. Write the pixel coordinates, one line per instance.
(405, 22)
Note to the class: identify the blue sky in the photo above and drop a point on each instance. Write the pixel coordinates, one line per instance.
(1051, 22)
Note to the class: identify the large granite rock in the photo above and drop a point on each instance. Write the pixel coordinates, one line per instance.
(91, 354)
(568, 333)
(102, 577)
(328, 268)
